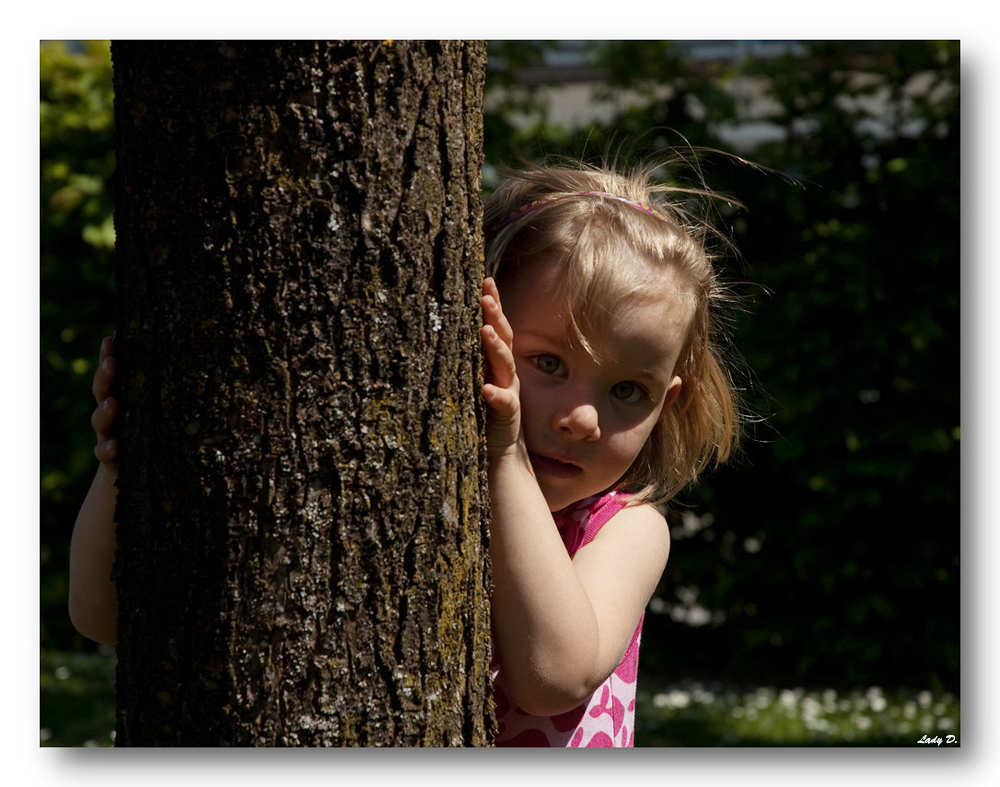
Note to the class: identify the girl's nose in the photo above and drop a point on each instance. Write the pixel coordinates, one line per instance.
(580, 422)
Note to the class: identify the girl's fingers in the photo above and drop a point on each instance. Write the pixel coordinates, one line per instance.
(494, 317)
(107, 347)
(502, 390)
(103, 419)
(499, 359)
(501, 401)
(493, 312)
(103, 378)
(106, 451)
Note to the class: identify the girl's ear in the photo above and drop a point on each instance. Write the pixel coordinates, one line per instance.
(673, 391)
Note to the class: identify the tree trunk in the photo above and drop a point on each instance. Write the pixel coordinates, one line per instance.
(302, 509)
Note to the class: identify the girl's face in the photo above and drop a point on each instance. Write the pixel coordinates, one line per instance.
(585, 422)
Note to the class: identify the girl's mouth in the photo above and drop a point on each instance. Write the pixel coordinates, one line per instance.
(555, 468)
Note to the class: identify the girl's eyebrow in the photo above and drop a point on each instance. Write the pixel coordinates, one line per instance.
(560, 339)
(647, 377)
(653, 373)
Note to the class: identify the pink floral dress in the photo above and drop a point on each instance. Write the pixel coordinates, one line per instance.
(607, 718)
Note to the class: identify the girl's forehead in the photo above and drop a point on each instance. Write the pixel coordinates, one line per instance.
(648, 327)
(651, 326)
(622, 286)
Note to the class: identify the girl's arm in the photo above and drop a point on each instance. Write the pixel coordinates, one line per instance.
(561, 625)
(93, 597)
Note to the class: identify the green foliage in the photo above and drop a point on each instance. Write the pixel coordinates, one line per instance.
(854, 487)
(515, 111)
(77, 292)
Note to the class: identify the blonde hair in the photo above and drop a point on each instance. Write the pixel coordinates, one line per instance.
(610, 249)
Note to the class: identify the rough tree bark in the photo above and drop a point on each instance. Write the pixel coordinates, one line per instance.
(302, 508)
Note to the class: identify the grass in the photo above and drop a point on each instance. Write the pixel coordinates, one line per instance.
(78, 709)
(77, 698)
(697, 714)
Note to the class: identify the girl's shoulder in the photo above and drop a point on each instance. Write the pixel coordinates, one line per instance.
(608, 513)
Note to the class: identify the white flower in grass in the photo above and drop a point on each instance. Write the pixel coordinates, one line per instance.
(763, 697)
(876, 699)
(703, 697)
(811, 709)
(879, 704)
(674, 699)
(817, 725)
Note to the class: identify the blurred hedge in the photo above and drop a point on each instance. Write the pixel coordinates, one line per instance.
(830, 550)
(77, 295)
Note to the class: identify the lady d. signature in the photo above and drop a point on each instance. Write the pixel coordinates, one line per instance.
(938, 740)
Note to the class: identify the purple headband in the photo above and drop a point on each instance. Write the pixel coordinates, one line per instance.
(531, 206)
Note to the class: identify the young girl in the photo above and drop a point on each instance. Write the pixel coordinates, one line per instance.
(605, 396)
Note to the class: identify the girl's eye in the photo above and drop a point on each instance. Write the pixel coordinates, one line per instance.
(627, 392)
(548, 364)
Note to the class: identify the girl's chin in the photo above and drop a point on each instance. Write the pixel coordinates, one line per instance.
(559, 496)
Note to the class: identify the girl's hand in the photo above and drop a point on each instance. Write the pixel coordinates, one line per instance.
(103, 418)
(502, 389)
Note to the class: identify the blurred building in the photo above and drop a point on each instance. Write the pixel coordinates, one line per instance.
(575, 94)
